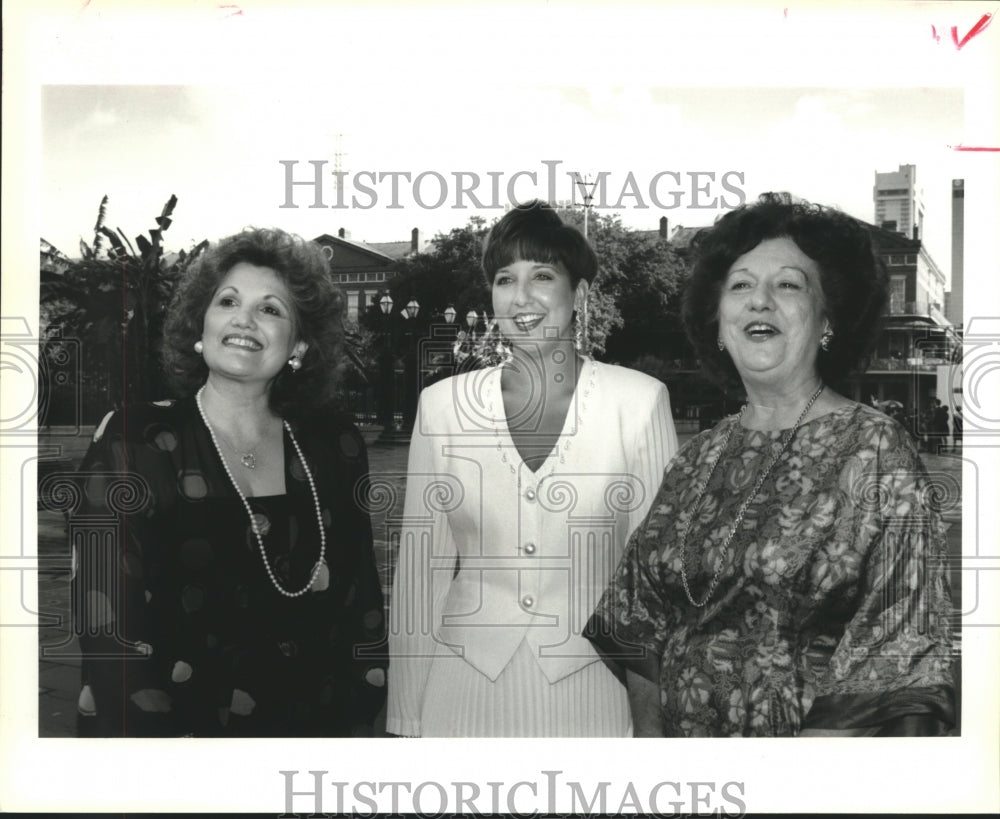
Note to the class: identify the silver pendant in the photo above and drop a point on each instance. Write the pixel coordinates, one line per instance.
(248, 460)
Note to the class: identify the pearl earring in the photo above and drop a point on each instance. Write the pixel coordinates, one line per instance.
(199, 347)
(294, 363)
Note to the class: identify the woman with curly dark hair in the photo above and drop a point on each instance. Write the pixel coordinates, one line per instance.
(789, 579)
(236, 592)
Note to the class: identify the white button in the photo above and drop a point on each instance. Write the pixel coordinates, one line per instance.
(528, 601)
(530, 494)
(529, 548)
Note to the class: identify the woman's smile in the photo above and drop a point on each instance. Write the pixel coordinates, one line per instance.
(760, 331)
(242, 342)
(528, 321)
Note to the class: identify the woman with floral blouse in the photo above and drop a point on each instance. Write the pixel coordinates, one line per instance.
(789, 578)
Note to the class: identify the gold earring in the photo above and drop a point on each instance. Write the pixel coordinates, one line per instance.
(825, 340)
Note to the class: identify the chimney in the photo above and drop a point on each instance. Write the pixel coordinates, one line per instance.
(414, 240)
(344, 234)
(663, 227)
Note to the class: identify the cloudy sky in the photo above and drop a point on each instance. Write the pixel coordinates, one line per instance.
(219, 149)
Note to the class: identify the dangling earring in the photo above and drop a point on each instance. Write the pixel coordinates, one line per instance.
(721, 345)
(581, 330)
(199, 347)
(294, 363)
(825, 340)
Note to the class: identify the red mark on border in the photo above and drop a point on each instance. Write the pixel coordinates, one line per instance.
(233, 10)
(974, 148)
(977, 29)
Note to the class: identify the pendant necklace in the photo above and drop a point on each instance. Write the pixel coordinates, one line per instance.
(320, 566)
(248, 458)
(743, 507)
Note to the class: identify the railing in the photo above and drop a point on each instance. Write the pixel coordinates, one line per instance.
(917, 308)
(922, 364)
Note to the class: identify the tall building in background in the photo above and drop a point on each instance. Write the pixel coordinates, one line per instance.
(954, 298)
(899, 203)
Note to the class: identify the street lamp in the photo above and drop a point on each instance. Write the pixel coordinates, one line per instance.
(449, 314)
(387, 397)
(411, 371)
(471, 318)
(588, 198)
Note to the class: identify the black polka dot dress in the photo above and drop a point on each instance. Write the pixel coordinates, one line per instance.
(182, 630)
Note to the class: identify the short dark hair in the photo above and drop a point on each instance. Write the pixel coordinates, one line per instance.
(534, 233)
(855, 286)
(317, 305)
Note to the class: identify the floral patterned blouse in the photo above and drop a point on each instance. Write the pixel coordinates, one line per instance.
(832, 608)
(182, 630)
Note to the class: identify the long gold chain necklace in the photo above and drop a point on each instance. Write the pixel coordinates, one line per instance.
(321, 563)
(743, 507)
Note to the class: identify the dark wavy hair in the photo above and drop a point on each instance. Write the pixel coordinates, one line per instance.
(317, 304)
(855, 286)
(533, 232)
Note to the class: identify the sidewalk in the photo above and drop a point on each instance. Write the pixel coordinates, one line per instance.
(59, 665)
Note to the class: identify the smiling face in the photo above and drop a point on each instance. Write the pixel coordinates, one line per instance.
(535, 300)
(771, 314)
(249, 329)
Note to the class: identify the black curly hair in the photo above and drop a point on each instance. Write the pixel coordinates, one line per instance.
(855, 285)
(318, 306)
(534, 232)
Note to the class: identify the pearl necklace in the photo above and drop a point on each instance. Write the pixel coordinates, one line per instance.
(321, 563)
(743, 507)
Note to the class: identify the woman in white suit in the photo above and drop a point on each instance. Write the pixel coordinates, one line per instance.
(524, 482)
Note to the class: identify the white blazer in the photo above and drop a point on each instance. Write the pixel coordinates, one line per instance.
(492, 553)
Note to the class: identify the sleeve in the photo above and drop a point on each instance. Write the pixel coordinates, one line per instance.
(654, 446)
(892, 669)
(629, 625)
(365, 609)
(125, 685)
(425, 568)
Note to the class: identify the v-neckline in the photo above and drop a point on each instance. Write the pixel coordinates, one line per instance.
(577, 405)
(227, 481)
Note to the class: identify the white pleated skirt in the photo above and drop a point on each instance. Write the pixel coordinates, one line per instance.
(460, 701)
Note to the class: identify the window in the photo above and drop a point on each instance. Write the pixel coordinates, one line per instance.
(897, 294)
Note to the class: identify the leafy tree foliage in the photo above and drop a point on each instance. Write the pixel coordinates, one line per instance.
(635, 300)
(114, 300)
